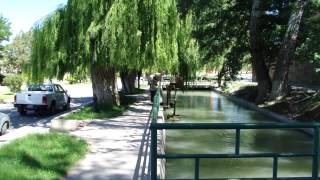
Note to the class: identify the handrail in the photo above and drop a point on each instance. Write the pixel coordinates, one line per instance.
(237, 152)
(233, 125)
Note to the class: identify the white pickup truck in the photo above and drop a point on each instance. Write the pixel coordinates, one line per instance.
(42, 98)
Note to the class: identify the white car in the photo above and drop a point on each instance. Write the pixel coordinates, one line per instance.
(4, 123)
(42, 98)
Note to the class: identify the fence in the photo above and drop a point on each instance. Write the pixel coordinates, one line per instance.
(237, 127)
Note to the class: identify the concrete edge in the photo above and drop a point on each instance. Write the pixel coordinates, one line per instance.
(161, 145)
(58, 124)
(249, 105)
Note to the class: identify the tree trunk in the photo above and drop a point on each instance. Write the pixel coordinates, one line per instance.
(139, 77)
(221, 73)
(254, 76)
(257, 52)
(280, 85)
(104, 87)
(128, 80)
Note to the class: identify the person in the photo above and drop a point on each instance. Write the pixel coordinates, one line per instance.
(153, 87)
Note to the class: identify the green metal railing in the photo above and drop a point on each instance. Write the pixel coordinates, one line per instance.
(237, 154)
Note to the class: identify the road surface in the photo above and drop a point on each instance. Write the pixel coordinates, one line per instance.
(32, 123)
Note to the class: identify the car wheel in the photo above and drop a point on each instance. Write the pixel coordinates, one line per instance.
(67, 106)
(53, 108)
(22, 111)
(4, 128)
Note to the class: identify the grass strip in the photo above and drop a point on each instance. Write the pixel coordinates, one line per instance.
(40, 156)
(88, 113)
(6, 96)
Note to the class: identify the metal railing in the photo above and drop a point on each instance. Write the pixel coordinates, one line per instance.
(237, 153)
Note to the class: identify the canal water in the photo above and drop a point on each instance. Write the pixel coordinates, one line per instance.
(210, 107)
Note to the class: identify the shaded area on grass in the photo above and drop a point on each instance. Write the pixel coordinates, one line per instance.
(40, 156)
(87, 112)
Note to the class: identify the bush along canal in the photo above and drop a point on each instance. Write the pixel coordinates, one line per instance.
(210, 107)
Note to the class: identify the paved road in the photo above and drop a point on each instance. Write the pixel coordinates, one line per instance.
(18, 121)
(80, 95)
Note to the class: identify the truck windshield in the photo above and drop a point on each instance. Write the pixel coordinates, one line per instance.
(40, 87)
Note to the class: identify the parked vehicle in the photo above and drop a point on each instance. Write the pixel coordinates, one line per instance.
(42, 98)
(4, 123)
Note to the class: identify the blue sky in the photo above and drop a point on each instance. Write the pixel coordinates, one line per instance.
(22, 14)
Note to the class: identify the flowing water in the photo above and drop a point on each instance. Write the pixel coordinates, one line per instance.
(209, 107)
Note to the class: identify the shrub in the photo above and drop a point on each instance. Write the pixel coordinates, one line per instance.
(14, 82)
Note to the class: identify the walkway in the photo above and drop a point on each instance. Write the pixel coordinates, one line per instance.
(117, 146)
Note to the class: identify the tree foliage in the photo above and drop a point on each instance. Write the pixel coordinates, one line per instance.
(106, 36)
(121, 36)
(308, 49)
(188, 48)
(4, 32)
(14, 82)
(17, 54)
(4, 29)
(222, 32)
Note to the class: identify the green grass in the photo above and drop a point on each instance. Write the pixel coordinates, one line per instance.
(6, 96)
(40, 156)
(87, 112)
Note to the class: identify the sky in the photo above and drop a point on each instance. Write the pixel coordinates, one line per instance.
(22, 14)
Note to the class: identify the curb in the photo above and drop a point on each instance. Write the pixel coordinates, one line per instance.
(58, 124)
(265, 112)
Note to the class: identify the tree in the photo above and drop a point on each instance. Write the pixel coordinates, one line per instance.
(261, 24)
(4, 33)
(4, 29)
(280, 84)
(105, 36)
(258, 51)
(222, 33)
(308, 49)
(188, 49)
(17, 53)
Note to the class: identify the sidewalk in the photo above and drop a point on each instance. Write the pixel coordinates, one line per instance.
(117, 147)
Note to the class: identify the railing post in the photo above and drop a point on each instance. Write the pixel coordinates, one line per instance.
(196, 169)
(154, 136)
(153, 153)
(275, 168)
(315, 153)
(237, 148)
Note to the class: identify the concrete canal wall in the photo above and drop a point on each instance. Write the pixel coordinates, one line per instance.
(273, 116)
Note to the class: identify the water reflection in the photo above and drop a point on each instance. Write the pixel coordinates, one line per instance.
(209, 107)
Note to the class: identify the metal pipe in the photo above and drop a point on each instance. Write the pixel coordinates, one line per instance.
(196, 169)
(275, 168)
(237, 148)
(315, 162)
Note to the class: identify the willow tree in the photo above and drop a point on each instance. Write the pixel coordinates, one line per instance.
(71, 39)
(154, 46)
(122, 39)
(104, 36)
(188, 48)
